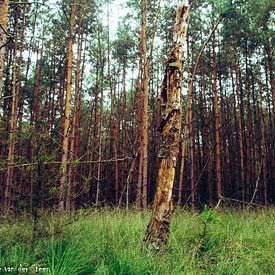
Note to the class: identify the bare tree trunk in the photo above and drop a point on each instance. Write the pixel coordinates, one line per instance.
(240, 130)
(269, 64)
(21, 49)
(158, 229)
(263, 142)
(188, 117)
(35, 118)
(247, 130)
(271, 77)
(65, 146)
(139, 183)
(114, 144)
(217, 121)
(113, 118)
(73, 156)
(192, 157)
(13, 121)
(145, 102)
(99, 148)
(139, 107)
(4, 15)
(98, 188)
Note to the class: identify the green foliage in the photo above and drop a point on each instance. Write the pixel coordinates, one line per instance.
(124, 44)
(110, 242)
(208, 215)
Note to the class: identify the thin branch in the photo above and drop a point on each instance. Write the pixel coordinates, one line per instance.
(257, 181)
(8, 96)
(26, 3)
(59, 162)
(201, 51)
(241, 202)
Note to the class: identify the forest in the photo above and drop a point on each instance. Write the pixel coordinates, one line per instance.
(118, 114)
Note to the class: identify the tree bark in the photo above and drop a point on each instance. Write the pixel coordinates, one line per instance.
(240, 131)
(65, 146)
(4, 15)
(217, 121)
(13, 121)
(77, 96)
(170, 98)
(145, 102)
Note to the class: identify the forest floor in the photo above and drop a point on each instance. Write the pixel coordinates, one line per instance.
(110, 242)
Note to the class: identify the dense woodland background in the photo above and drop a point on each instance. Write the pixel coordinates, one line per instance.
(79, 118)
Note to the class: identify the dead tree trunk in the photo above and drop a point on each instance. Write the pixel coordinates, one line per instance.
(158, 229)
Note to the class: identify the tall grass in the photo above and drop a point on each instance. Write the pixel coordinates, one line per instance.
(110, 242)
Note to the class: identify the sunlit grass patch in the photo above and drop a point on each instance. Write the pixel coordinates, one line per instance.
(110, 242)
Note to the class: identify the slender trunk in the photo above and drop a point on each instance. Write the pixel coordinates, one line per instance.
(139, 107)
(100, 129)
(262, 145)
(123, 132)
(269, 67)
(192, 158)
(248, 130)
(113, 119)
(139, 183)
(114, 145)
(35, 118)
(12, 122)
(188, 116)
(99, 148)
(145, 102)
(271, 77)
(4, 16)
(217, 121)
(73, 156)
(65, 145)
(240, 132)
(22, 94)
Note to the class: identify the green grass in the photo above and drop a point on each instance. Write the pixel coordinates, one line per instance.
(110, 242)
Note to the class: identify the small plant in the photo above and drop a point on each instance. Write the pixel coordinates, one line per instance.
(208, 216)
(205, 242)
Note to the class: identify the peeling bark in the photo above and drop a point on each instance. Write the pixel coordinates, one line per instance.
(170, 127)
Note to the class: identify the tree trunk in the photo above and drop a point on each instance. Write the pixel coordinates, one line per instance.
(263, 143)
(4, 15)
(240, 132)
(73, 156)
(158, 229)
(65, 146)
(217, 121)
(145, 103)
(100, 145)
(247, 130)
(139, 107)
(13, 121)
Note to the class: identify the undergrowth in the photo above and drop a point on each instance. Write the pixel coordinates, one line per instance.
(110, 242)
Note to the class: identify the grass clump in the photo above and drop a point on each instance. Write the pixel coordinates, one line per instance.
(110, 242)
